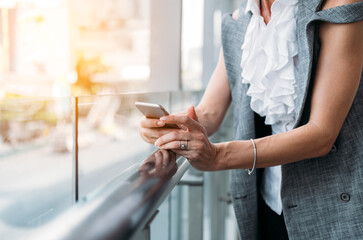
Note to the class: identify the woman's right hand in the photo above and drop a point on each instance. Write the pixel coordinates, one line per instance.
(151, 129)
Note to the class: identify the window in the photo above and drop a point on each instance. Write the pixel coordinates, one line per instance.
(53, 49)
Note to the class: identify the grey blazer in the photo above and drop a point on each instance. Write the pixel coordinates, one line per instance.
(322, 198)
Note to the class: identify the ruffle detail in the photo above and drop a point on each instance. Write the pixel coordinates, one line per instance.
(269, 53)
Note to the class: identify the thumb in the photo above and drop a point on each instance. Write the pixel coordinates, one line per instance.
(191, 113)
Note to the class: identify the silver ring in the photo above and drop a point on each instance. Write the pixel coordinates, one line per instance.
(183, 146)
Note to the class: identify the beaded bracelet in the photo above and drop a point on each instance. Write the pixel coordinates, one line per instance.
(254, 158)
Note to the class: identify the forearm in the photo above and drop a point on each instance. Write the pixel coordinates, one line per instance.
(301, 143)
(216, 99)
(210, 118)
(336, 81)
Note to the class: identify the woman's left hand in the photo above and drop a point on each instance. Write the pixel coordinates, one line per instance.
(191, 142)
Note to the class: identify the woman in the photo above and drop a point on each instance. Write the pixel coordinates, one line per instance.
(292, 71)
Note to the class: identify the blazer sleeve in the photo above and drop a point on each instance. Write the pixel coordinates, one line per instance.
(342, 14)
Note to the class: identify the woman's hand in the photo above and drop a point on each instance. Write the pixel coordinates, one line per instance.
(191, 141)
(151, 129)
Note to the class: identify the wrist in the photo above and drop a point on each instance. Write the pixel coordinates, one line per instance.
(221, 161)
(234, 155)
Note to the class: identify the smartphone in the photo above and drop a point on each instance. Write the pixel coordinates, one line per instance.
(152, 110)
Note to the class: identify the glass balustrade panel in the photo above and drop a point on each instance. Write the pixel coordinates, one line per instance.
(110, 146)
(36, 143)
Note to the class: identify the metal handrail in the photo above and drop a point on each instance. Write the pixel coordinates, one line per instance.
(126, 210)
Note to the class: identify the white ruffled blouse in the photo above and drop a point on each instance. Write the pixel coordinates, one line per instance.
(268, 66)
(268, 58)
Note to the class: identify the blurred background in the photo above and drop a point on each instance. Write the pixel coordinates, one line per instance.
(90, 60)
(63, 47)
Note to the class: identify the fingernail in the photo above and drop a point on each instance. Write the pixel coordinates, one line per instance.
(160, 123)
(156, 143)
(163, 118)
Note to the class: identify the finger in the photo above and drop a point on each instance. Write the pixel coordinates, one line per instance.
(149, 140)
(152, 134)
(151, 123)
(147, 137)
(191, 113)
(186, 121)
(176, 145)
(189, 155)
(172, 136)
(183, 153)
(184, 113)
